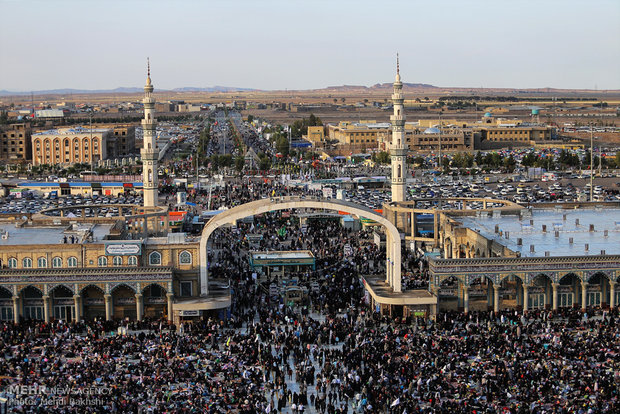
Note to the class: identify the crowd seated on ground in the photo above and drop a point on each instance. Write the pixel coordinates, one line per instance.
(344, 359)
(331, 354)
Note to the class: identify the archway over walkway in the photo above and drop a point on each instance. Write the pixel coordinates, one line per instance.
(392, 245)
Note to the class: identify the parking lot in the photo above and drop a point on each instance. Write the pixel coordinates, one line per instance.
(32, 203)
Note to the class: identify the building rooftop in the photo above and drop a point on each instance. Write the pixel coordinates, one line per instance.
(72, 131)
(299, 254)
(561, 227)
(12, 235)
(77, 184)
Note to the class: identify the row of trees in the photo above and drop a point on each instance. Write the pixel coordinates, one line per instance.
(217, 161)
(300, 126)
(567, 159)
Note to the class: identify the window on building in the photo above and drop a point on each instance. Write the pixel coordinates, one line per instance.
(72, 261)
(155, 259)
(102, 261)
(185, 257)
(536, 301)
(12, 263)
(565, 300)
(132, 261)
(593, 299)
(27, 263)
(186, 289)
(57, 262)
(41, 262)
(117, 261)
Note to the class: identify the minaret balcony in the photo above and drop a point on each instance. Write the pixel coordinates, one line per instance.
(398, 152)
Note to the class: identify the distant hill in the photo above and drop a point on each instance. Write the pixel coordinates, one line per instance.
(69, 91)
(378, 88)
(213, 89)
(405, 85)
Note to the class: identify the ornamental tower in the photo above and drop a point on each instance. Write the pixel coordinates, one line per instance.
(149, 150)
(398, 151)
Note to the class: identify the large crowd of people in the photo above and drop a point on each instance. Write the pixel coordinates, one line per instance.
(328, 354)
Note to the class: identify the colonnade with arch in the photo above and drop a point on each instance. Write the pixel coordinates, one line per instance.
(485, 286)
(77, 301)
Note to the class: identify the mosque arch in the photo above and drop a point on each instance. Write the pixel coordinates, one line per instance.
(152, 287)
(481, 277)
(30, 291)
(511, 275)
(59, 288)
(393, 241)
(565, 278)
(120, 287)
(5, 293)
(591, 277)
(91, 287)
(93, 302)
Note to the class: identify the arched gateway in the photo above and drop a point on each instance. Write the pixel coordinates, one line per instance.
(393, 253)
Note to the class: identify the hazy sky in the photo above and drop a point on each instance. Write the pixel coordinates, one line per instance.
(297, 44)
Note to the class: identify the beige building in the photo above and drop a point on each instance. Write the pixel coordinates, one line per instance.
(70, 145)
(426, 139)
(357, 136)
(548, 269)
(526, 134)
(85, 271)
(316, 135)
(15, 143)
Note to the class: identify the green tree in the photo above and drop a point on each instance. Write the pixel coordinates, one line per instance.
(300, 126)
(264, 163)
(529, 160)
(510, 163)
(381, 157)
(445, 163)
(250, 118)
(478, 159)
(226, 160)
(239, 163)
(282, 145)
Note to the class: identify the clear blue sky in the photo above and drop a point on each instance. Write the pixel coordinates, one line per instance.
(297, 44)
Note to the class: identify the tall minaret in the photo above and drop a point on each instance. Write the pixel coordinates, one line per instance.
(149, 150)
(399, 145)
